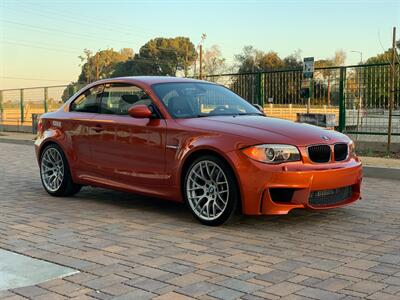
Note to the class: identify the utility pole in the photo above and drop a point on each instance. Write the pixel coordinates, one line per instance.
(392, 89)
(203, 37)
(96, 59)
(201, 61)
(195, 66)
(186, 60)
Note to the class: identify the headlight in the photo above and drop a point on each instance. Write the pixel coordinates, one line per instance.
(273, 153)
(352, 149)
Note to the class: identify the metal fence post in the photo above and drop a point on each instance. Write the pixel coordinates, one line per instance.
(21, 105)
(46, 95)
(1, 106)
(260, 90)
(342, 100)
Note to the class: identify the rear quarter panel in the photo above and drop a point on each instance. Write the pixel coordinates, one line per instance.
(71, 132)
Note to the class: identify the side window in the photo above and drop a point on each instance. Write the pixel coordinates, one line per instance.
(88, 101)
(118, 98)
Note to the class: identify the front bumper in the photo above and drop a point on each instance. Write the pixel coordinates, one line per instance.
(257, 180)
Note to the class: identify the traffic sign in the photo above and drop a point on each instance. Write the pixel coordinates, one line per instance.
(308, 67)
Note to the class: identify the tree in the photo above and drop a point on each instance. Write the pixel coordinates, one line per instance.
(246, 61)
(293, 61)
(97, 66)
(137, 66)
(337, 60)
(213, 62)
(269, 61)
(169, 55)
(159, 56)
(86, 72)
(323, 77)
(254, 60)
(102, 64)
(71, 89)
(385, 57)
(340, 57)
(376, 81)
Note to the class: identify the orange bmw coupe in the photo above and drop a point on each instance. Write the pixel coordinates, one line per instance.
(196, 142)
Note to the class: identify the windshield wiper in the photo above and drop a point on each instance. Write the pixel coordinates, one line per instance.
(249, 114)
(232, 114)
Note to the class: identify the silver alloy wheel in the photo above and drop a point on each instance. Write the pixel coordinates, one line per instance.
(52, 169)
(207, 190)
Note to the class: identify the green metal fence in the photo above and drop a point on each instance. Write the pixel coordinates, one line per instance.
(18, 105)
(358, 95)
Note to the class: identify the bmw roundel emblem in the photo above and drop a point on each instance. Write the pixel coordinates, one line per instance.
(325, 138)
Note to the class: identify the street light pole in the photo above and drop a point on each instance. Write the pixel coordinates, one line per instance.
(361, 55)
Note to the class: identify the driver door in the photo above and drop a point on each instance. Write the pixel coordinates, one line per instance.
(127, 150)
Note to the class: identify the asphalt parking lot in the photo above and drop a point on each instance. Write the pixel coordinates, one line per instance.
(131, 247)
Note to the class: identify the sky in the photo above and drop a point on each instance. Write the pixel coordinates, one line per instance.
(40, 41)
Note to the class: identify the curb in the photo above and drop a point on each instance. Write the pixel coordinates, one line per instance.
(380, 172)
(15, 141)
(368, 171)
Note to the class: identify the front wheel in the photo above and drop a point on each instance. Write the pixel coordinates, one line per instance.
(55, 173)
(210, 190)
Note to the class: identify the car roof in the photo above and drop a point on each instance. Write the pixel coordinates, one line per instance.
(149, 80)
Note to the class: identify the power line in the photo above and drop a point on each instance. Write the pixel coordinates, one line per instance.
(121, 27)
(37, 47)
(36, 79)
(139, 59)
(380, 42)
(76, 35)
(71, 33)
(69, 20)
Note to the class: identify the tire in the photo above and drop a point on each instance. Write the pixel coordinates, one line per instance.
(55, 173)
(210, 190)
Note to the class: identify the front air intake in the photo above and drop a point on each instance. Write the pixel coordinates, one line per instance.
(330, 197)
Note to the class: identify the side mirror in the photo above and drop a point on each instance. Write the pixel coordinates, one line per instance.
(259, 107)
(140, 111)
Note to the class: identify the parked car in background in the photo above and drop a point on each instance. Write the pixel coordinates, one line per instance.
(195, 142)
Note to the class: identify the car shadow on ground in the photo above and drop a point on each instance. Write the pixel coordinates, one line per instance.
(179, 212)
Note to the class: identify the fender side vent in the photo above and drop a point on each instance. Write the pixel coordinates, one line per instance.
(281, 195)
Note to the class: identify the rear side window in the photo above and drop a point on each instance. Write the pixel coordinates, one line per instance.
(89, 101)
(118, 98)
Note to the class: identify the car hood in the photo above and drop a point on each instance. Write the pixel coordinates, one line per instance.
(266, 129)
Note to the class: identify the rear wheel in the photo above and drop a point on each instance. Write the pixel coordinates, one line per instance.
(55, 173)
(210, 190)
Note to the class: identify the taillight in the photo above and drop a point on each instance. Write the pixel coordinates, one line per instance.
(40, 126)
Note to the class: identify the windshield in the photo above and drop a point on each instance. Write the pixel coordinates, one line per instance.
(194, 100)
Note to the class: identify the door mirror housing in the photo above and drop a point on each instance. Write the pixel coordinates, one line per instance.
(259, 107)
(140, 111)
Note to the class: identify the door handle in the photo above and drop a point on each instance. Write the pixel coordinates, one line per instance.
(98, 128)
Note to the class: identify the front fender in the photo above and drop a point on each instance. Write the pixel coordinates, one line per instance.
(211, 146)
